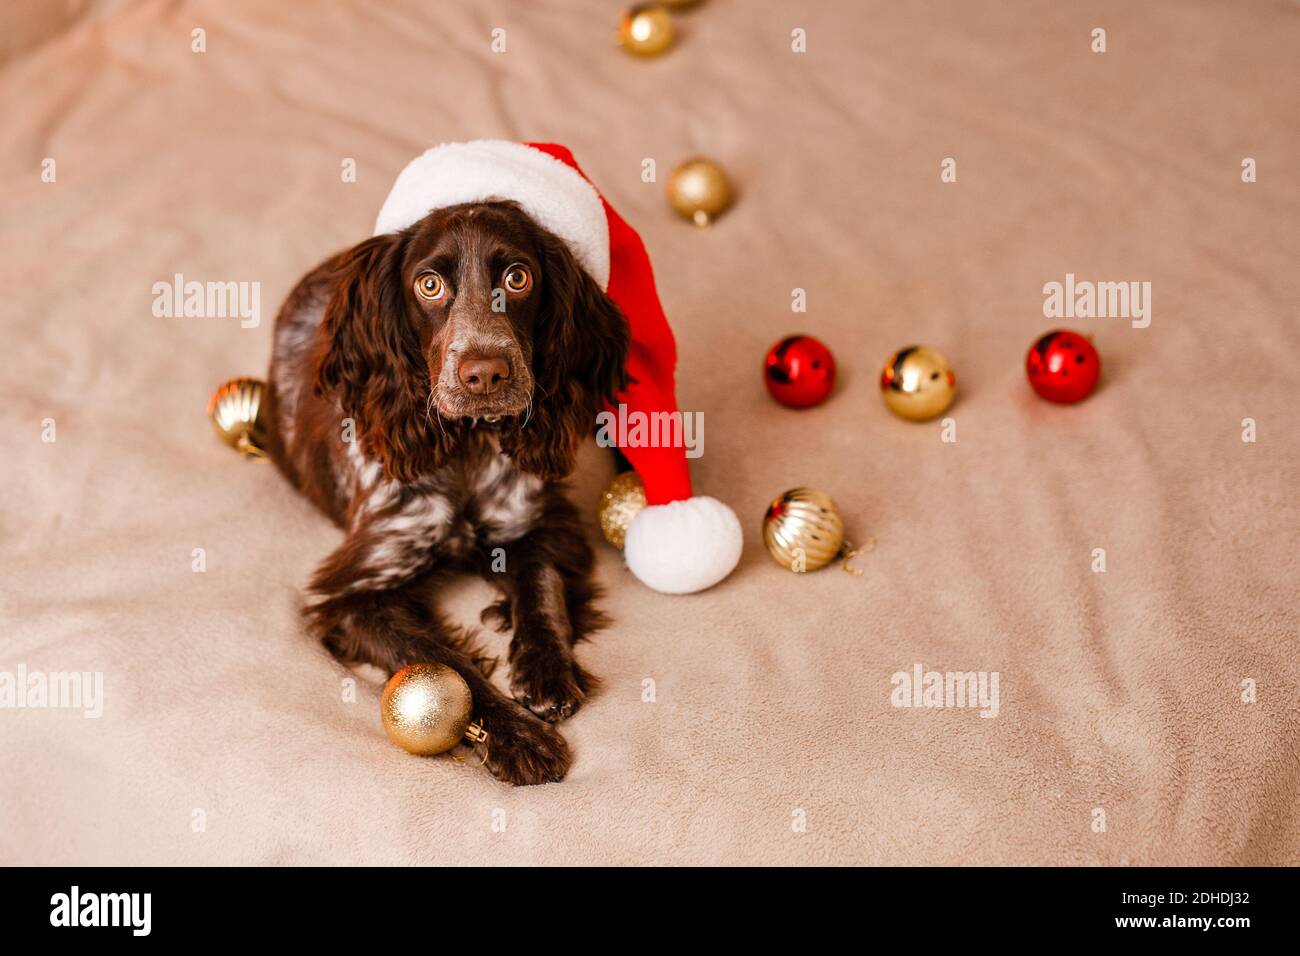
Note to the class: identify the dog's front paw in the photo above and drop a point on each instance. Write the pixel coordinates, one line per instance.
(523, 751)
(549, 683)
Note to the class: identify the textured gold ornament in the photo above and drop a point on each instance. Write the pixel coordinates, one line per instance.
(917, 383)
(621, 502)
(426, 709)
(803, 530)
(646, 29)
(699, 190)
(235, 410)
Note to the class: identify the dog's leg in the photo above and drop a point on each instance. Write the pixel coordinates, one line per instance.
(550, 593)
(397, 623)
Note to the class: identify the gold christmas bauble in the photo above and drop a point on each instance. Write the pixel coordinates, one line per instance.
(917, 383)
(803, 530)
(621, 502)
(426, 708)
(235, 411)
(699, 190)
(646, 29)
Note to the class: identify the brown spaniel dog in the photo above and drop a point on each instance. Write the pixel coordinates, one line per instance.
(428, 390)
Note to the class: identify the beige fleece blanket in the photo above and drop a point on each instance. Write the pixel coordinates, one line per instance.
(1147, 713)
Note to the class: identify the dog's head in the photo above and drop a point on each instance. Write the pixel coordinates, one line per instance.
(475, 317)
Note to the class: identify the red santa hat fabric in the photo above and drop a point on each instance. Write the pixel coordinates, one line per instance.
(680, 542)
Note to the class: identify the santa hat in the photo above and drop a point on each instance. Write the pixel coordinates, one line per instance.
(679, 542)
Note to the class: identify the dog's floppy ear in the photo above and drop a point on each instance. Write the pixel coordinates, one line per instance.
(369, 356)
(580, 344)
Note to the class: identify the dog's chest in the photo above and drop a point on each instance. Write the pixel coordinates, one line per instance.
(481, 499)
(502, 502)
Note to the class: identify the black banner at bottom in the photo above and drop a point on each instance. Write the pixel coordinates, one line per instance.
(236, 904)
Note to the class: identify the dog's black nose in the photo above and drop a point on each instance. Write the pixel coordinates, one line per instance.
(483, 375)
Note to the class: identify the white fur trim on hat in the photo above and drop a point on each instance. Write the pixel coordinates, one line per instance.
(551, 191)
(683, 546)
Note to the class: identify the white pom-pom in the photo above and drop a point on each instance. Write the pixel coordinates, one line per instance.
(683, 546)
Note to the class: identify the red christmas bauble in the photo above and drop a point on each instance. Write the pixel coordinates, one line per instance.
(1063, 367)
(799, 371)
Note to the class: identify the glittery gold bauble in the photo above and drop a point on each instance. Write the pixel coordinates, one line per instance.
(646, 29)
(426, 708)
(803, 530)
(235, 410)
(699, 190)
(621, 502)
(917, 383)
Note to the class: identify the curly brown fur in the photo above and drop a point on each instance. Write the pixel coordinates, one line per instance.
(434, 429)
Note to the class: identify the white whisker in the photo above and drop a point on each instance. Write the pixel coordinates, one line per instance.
(428, 409)
(529, 412)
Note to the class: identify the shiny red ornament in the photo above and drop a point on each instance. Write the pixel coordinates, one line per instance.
(1063, 367)
(799, 371)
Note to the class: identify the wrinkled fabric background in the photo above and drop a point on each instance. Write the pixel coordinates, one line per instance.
(1120, 691)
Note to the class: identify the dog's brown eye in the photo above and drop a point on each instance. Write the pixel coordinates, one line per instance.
(430, 286)
(517, 279)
